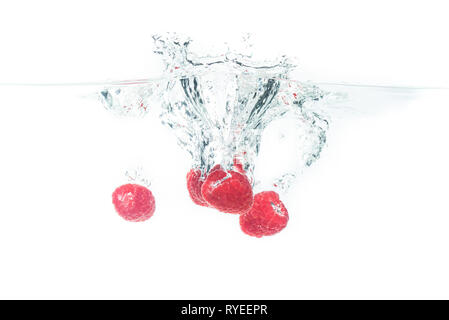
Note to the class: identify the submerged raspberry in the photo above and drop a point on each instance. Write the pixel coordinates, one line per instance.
(227, 191)
(194, 183)
(134, 202)
(267, 216)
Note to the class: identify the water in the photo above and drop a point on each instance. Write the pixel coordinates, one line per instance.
(130, 100)
(222, 107)
(226, 107)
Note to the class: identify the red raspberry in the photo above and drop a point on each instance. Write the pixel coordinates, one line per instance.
(227, 191)
(267, 216)
(133, 202)
(194, 183)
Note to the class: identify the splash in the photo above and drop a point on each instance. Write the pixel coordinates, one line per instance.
(219, 105)
(129, 99)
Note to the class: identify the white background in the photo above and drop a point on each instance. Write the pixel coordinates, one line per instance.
(368, 220)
